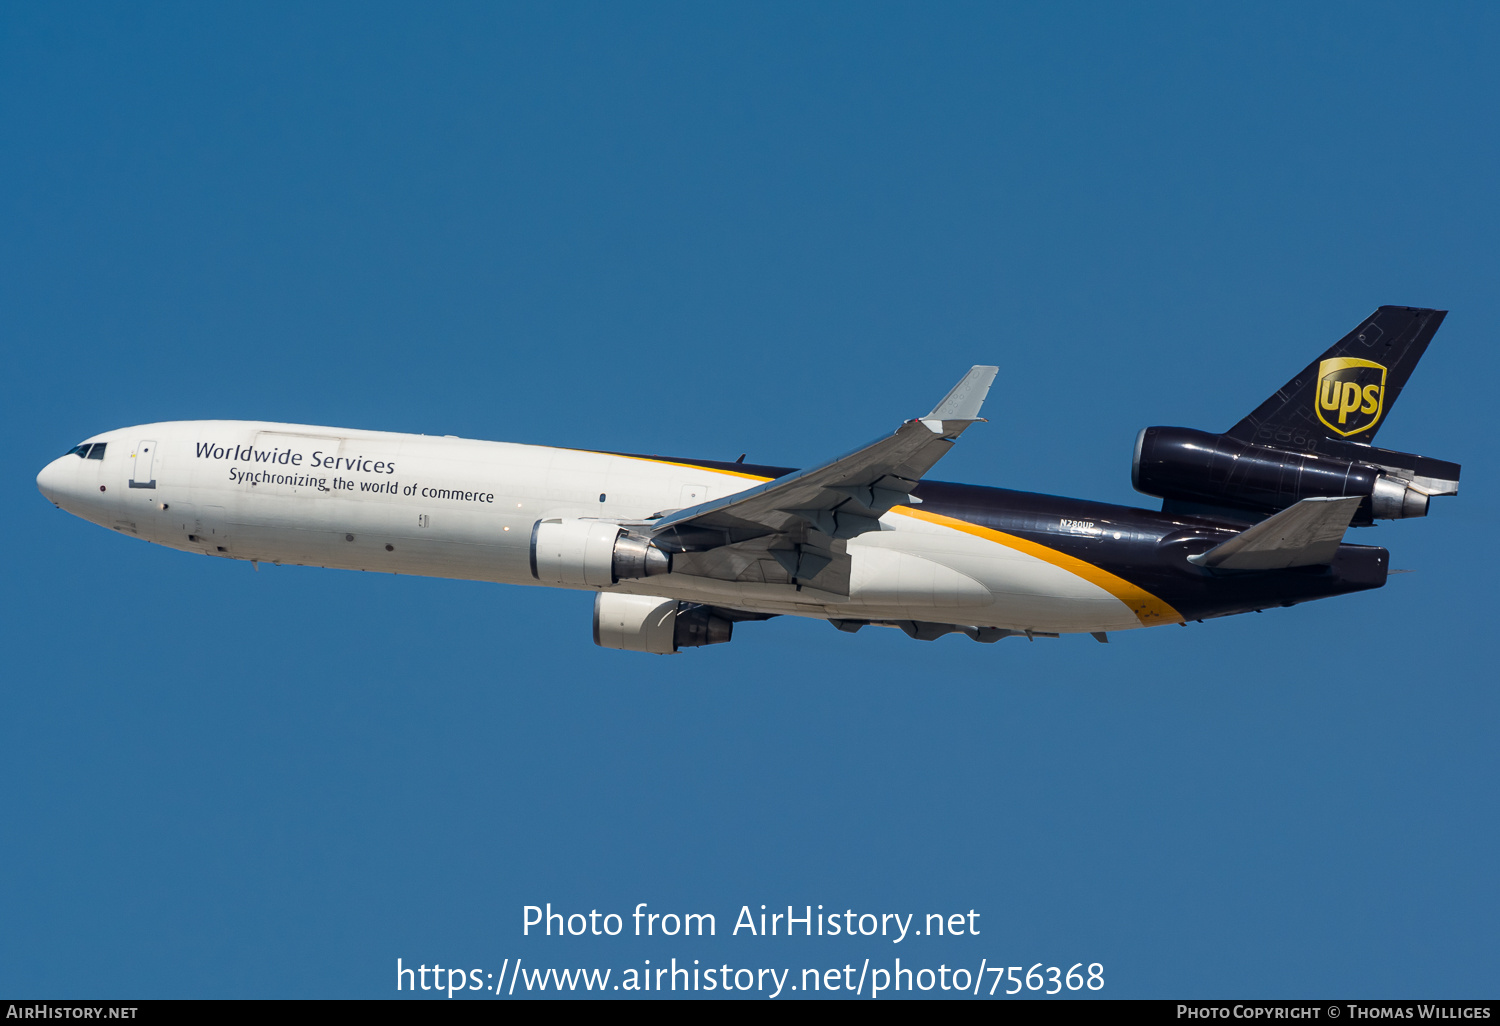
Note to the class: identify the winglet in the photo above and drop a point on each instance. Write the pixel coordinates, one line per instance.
(1306, 534)
(965, 398)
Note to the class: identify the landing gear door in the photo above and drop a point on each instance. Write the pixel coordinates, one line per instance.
(143, 465)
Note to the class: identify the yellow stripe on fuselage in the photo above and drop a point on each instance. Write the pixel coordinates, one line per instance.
(1149, 609)
(690, 466)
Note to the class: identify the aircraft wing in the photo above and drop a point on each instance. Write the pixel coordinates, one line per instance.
(794, 528)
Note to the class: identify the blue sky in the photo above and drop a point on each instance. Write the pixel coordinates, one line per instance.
(775, 229)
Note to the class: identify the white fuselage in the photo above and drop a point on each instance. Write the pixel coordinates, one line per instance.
(454, 507)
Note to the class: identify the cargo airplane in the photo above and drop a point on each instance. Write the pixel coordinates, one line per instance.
(678, 550)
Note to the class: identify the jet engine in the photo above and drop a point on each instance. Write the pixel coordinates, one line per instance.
(592, 554)
(1195, 471)
(649, 623)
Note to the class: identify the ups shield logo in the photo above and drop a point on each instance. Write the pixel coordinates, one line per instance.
(1351, 395)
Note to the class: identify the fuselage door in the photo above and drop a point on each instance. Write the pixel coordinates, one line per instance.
(143, 465)
(212, 530)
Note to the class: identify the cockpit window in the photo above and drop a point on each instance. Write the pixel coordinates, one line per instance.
(80, 451)
(97, 452)
(88, 451)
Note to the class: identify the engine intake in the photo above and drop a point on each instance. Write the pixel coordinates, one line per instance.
(1196, 468)
(649, 623)
(592, 554)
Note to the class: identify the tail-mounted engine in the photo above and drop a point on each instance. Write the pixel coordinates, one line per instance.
(592, 554)
(1195, 471)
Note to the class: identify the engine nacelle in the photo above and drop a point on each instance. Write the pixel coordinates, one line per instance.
(1195, 467)
(649, 623)
(592, 554)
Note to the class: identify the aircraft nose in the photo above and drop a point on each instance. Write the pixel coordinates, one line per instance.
(51, 480)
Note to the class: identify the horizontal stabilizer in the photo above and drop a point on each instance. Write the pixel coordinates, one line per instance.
(1307, 534)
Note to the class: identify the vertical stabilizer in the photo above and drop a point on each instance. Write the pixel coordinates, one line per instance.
(1346, 393)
